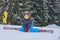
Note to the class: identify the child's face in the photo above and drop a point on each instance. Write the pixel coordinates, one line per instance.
(26, 16)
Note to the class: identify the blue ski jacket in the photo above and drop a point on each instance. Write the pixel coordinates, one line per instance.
(27, 22)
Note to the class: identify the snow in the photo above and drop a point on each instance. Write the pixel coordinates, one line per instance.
(17, 35)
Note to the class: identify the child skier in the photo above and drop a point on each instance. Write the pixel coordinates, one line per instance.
(26, 21)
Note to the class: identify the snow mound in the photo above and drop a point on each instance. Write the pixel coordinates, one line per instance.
(53, 26)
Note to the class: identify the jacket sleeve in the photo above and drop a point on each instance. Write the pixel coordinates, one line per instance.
(22, 23)
(31, 22)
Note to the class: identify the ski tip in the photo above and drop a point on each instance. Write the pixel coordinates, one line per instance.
(5, 28)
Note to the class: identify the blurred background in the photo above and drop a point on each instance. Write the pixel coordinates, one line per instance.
(43, 12)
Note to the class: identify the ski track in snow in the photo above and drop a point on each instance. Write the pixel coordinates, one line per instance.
(17, 35)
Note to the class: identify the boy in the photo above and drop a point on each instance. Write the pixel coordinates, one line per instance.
(26, 21)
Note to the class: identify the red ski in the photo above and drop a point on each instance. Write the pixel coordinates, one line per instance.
(50, 31)
(9, 28)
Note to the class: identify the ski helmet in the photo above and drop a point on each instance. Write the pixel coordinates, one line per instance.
(26, 15)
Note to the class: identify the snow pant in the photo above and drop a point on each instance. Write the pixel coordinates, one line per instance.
(30, 30)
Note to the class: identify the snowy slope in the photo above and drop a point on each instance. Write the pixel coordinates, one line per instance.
(17, 35)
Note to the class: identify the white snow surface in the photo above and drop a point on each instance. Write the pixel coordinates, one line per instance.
(17, 35)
